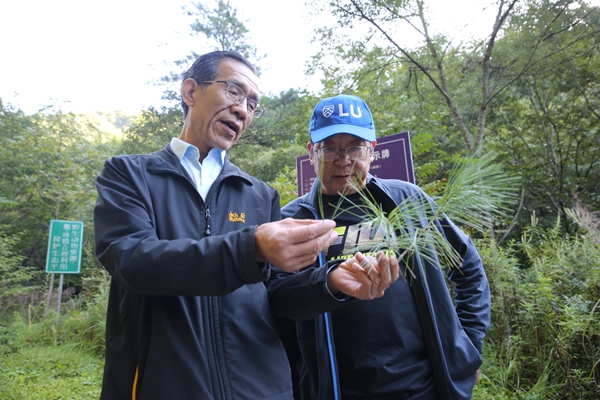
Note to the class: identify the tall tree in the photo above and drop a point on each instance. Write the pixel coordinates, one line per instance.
(152, 130)
(268, 145)
(224, 31)
(380, 20)
(548, 123)
(48, 163)
(222, 26)
(534, 74)
(468, 89)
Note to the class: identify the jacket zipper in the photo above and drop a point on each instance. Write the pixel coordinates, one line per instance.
(217, 355)
(207, 216)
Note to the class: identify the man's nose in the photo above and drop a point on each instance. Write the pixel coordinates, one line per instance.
(343, 158)
(241, 109)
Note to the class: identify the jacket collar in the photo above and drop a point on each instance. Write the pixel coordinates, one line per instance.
(165, 160)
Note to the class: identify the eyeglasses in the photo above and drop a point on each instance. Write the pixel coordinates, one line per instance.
(354, 153)
(237, 95)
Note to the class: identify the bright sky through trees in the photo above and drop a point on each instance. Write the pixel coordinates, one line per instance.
(103, 55)
(83, 56)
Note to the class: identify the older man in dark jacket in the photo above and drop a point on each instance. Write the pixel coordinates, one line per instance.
(416, 342)
(187, 238)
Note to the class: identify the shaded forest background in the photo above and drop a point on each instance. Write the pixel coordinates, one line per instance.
(529, 92)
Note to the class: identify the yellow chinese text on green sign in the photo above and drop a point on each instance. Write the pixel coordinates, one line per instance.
(64, 247)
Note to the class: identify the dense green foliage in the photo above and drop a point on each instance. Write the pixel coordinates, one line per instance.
(545, 336)
(529, 92)
(45, 357)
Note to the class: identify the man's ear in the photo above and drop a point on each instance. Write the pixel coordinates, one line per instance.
(188, 87)
(309, 146)
(373, 144)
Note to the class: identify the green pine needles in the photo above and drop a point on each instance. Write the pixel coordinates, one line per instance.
(476, 194)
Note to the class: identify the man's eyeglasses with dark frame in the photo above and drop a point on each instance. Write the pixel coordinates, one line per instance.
(237, 95)
(354, 153)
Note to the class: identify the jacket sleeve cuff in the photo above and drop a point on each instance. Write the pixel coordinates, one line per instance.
(265, 270)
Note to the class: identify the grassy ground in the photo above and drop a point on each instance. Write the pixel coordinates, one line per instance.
(50, 373)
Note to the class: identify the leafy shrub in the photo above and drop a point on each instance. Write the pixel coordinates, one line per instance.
(44, 356)
(545, 336)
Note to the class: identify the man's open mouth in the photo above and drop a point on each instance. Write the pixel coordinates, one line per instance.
(233, 126)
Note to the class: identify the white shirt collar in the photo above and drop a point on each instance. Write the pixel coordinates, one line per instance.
(180, 148)
(205, 174)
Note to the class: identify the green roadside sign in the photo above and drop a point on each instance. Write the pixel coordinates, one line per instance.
(64, 247)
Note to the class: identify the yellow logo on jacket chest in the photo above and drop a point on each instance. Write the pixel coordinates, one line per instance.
(235, 217)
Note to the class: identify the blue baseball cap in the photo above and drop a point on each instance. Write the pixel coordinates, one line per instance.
(341, 114)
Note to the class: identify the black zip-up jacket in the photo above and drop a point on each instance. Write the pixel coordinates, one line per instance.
(454, 328)
(188, 314)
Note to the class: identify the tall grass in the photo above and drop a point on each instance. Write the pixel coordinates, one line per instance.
(46, 356)
(545, 337)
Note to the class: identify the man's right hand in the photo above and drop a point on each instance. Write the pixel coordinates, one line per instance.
(292, 244)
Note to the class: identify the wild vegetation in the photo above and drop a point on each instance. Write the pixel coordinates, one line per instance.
(529, 93)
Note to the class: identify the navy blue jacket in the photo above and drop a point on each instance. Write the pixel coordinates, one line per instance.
(453, 328)
(188, 313)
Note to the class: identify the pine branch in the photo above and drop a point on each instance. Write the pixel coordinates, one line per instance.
(476, 193)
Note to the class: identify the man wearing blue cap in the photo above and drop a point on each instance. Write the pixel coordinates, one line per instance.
(415, 342)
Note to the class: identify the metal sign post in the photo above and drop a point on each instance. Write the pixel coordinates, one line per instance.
(64, 251)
